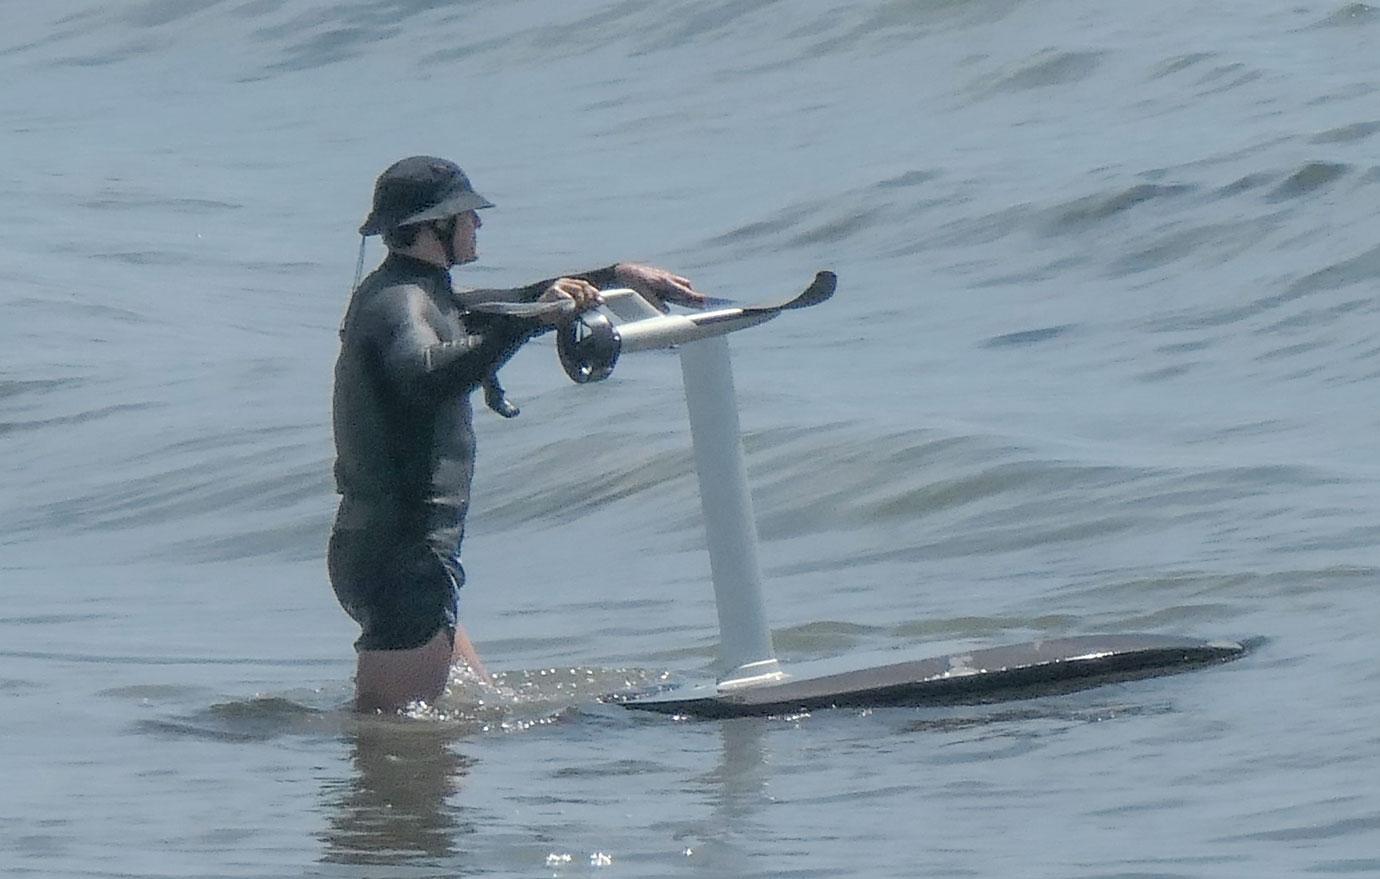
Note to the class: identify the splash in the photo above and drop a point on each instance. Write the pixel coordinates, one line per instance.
(525, 699)
(512, 702)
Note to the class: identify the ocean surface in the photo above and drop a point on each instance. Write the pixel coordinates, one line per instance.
(1105, 357)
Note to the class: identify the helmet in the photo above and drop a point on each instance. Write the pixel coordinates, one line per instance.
(419, 189)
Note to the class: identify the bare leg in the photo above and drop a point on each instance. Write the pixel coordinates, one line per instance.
(465, 652)
(387, 680)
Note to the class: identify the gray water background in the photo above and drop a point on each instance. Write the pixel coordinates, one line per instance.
(1104, 358)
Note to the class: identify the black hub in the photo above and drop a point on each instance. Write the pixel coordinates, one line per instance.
(588, 346)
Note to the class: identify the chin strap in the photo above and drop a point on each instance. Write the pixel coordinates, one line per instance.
(359, 265)
(446, 232)
(359, 273)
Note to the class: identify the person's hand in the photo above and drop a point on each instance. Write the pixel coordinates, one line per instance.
(581, 294)
(658, 286)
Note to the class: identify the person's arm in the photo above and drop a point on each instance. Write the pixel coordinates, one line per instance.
(658, 286)
(419, 363)
(598, 278)
(655, 285)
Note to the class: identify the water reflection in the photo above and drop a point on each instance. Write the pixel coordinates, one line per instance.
(396, 808)
(727, 842)
(741, 776)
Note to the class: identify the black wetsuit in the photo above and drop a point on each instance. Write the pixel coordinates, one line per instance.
(405, 444)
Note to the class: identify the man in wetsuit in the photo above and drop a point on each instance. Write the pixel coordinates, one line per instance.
(410, 357)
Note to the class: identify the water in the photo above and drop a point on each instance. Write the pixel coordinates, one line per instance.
(1103, 358)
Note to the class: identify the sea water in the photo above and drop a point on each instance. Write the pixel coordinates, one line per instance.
(1104, 358)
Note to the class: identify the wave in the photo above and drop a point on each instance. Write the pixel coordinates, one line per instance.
(1047, 69)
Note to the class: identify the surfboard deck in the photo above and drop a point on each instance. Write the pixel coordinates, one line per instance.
(996, 674)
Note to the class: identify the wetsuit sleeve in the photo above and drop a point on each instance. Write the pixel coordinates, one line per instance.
(422, 365)
(602, 278)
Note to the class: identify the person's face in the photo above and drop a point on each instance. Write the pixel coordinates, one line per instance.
(466, 243)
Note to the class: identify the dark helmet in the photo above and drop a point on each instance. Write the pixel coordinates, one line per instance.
(419, 189)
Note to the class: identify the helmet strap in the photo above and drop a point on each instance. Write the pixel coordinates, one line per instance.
(359, 265)
(445, 230)
(359, 273)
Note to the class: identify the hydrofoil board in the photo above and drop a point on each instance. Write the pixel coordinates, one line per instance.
(996, 674)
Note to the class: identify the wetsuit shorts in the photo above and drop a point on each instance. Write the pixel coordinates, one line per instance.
(401, 591)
